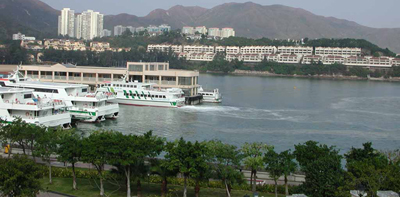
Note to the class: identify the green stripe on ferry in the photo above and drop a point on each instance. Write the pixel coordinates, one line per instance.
(133, 97)
(137, 94)
(144, 95)
(112, 90)
(84, 112)
(126, 94)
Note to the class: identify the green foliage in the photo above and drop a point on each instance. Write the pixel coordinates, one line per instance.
(322, 166)
(371, 170)
(19, 176)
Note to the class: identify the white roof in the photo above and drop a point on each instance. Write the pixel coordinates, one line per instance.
(39, 84)
(14, 90)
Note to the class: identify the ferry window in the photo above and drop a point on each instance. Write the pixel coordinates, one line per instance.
(2, 84)
(134, 94)
(84, 90)
(2, 96)
(164, 96)
(156, 96)
(27, 96)
(134, 86)
(141, 95)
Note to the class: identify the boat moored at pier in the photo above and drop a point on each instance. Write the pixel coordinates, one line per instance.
(143, 94)
(22, 103)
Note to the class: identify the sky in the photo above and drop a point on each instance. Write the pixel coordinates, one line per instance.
(372, 13)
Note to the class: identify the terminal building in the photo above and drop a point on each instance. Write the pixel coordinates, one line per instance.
(147, 72)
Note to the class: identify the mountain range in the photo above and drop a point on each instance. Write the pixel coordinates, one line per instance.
(248, 20)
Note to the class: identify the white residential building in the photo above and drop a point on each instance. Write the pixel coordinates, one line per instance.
(201, 29)
(332, 59)
(356, 60)
(270, 57)
(258, 49)
(22, 37)
(66, 23)
(198, 49)
(119, 30)
(140, 29)
(131, 29)
(227, 32)
(164, 28)
(91, 24)
(308, 59)
(396, 62)
(164, 48)
(207, 57)
(230, 56)
(345, 52)
(295, 50)
(289, 58)
(215, 32)
(188, 30)
(232, 50)
(379, 61)
(220, 49)
(78, 26)
(251, 57)
(106, 33)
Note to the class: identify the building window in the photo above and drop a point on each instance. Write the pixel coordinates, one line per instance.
(152, 67)
(160, 67)
(185, 81)
(137, 68)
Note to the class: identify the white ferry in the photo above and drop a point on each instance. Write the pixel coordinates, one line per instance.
(143, 94)
(22, 103)
(83, 106)
(210, 96)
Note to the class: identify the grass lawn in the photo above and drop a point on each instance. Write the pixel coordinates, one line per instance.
(88, 188)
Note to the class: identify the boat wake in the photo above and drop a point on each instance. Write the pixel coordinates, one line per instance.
(249, 113)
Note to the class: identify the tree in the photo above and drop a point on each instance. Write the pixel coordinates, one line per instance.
(19, 176)
(201, 168)
(274, 166)
(226, 159)
(187, 157)
(253, 160)
(322, 166)
(70, 150)
(289, 166)
(367, 168)
(131, 152)
(46, 145)
(97, 150)
(160, 167)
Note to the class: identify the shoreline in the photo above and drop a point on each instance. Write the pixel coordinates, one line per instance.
(333, 77)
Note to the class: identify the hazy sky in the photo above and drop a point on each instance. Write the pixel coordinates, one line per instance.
(373, 13)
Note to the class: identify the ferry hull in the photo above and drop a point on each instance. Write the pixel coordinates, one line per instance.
(109, 111)
(149, 103)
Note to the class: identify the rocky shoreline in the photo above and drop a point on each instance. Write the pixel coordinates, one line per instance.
(341, 77)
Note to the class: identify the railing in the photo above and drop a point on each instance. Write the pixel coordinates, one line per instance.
(168, 82)
(46, 77)
(60, 77)
(152, 81)
(75, 78)
(104, 79)
(89, 78)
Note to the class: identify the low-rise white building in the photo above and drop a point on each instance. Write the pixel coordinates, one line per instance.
(229, 57)
(220, 49)
(232, 50)
(337, 51)
(20, 36)
(295, 50)
(164, 48)
(198, 49)
(258, 50)
(331, 59)
(207, 57)
(308, 59)
(289, 58)
(251, 58)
